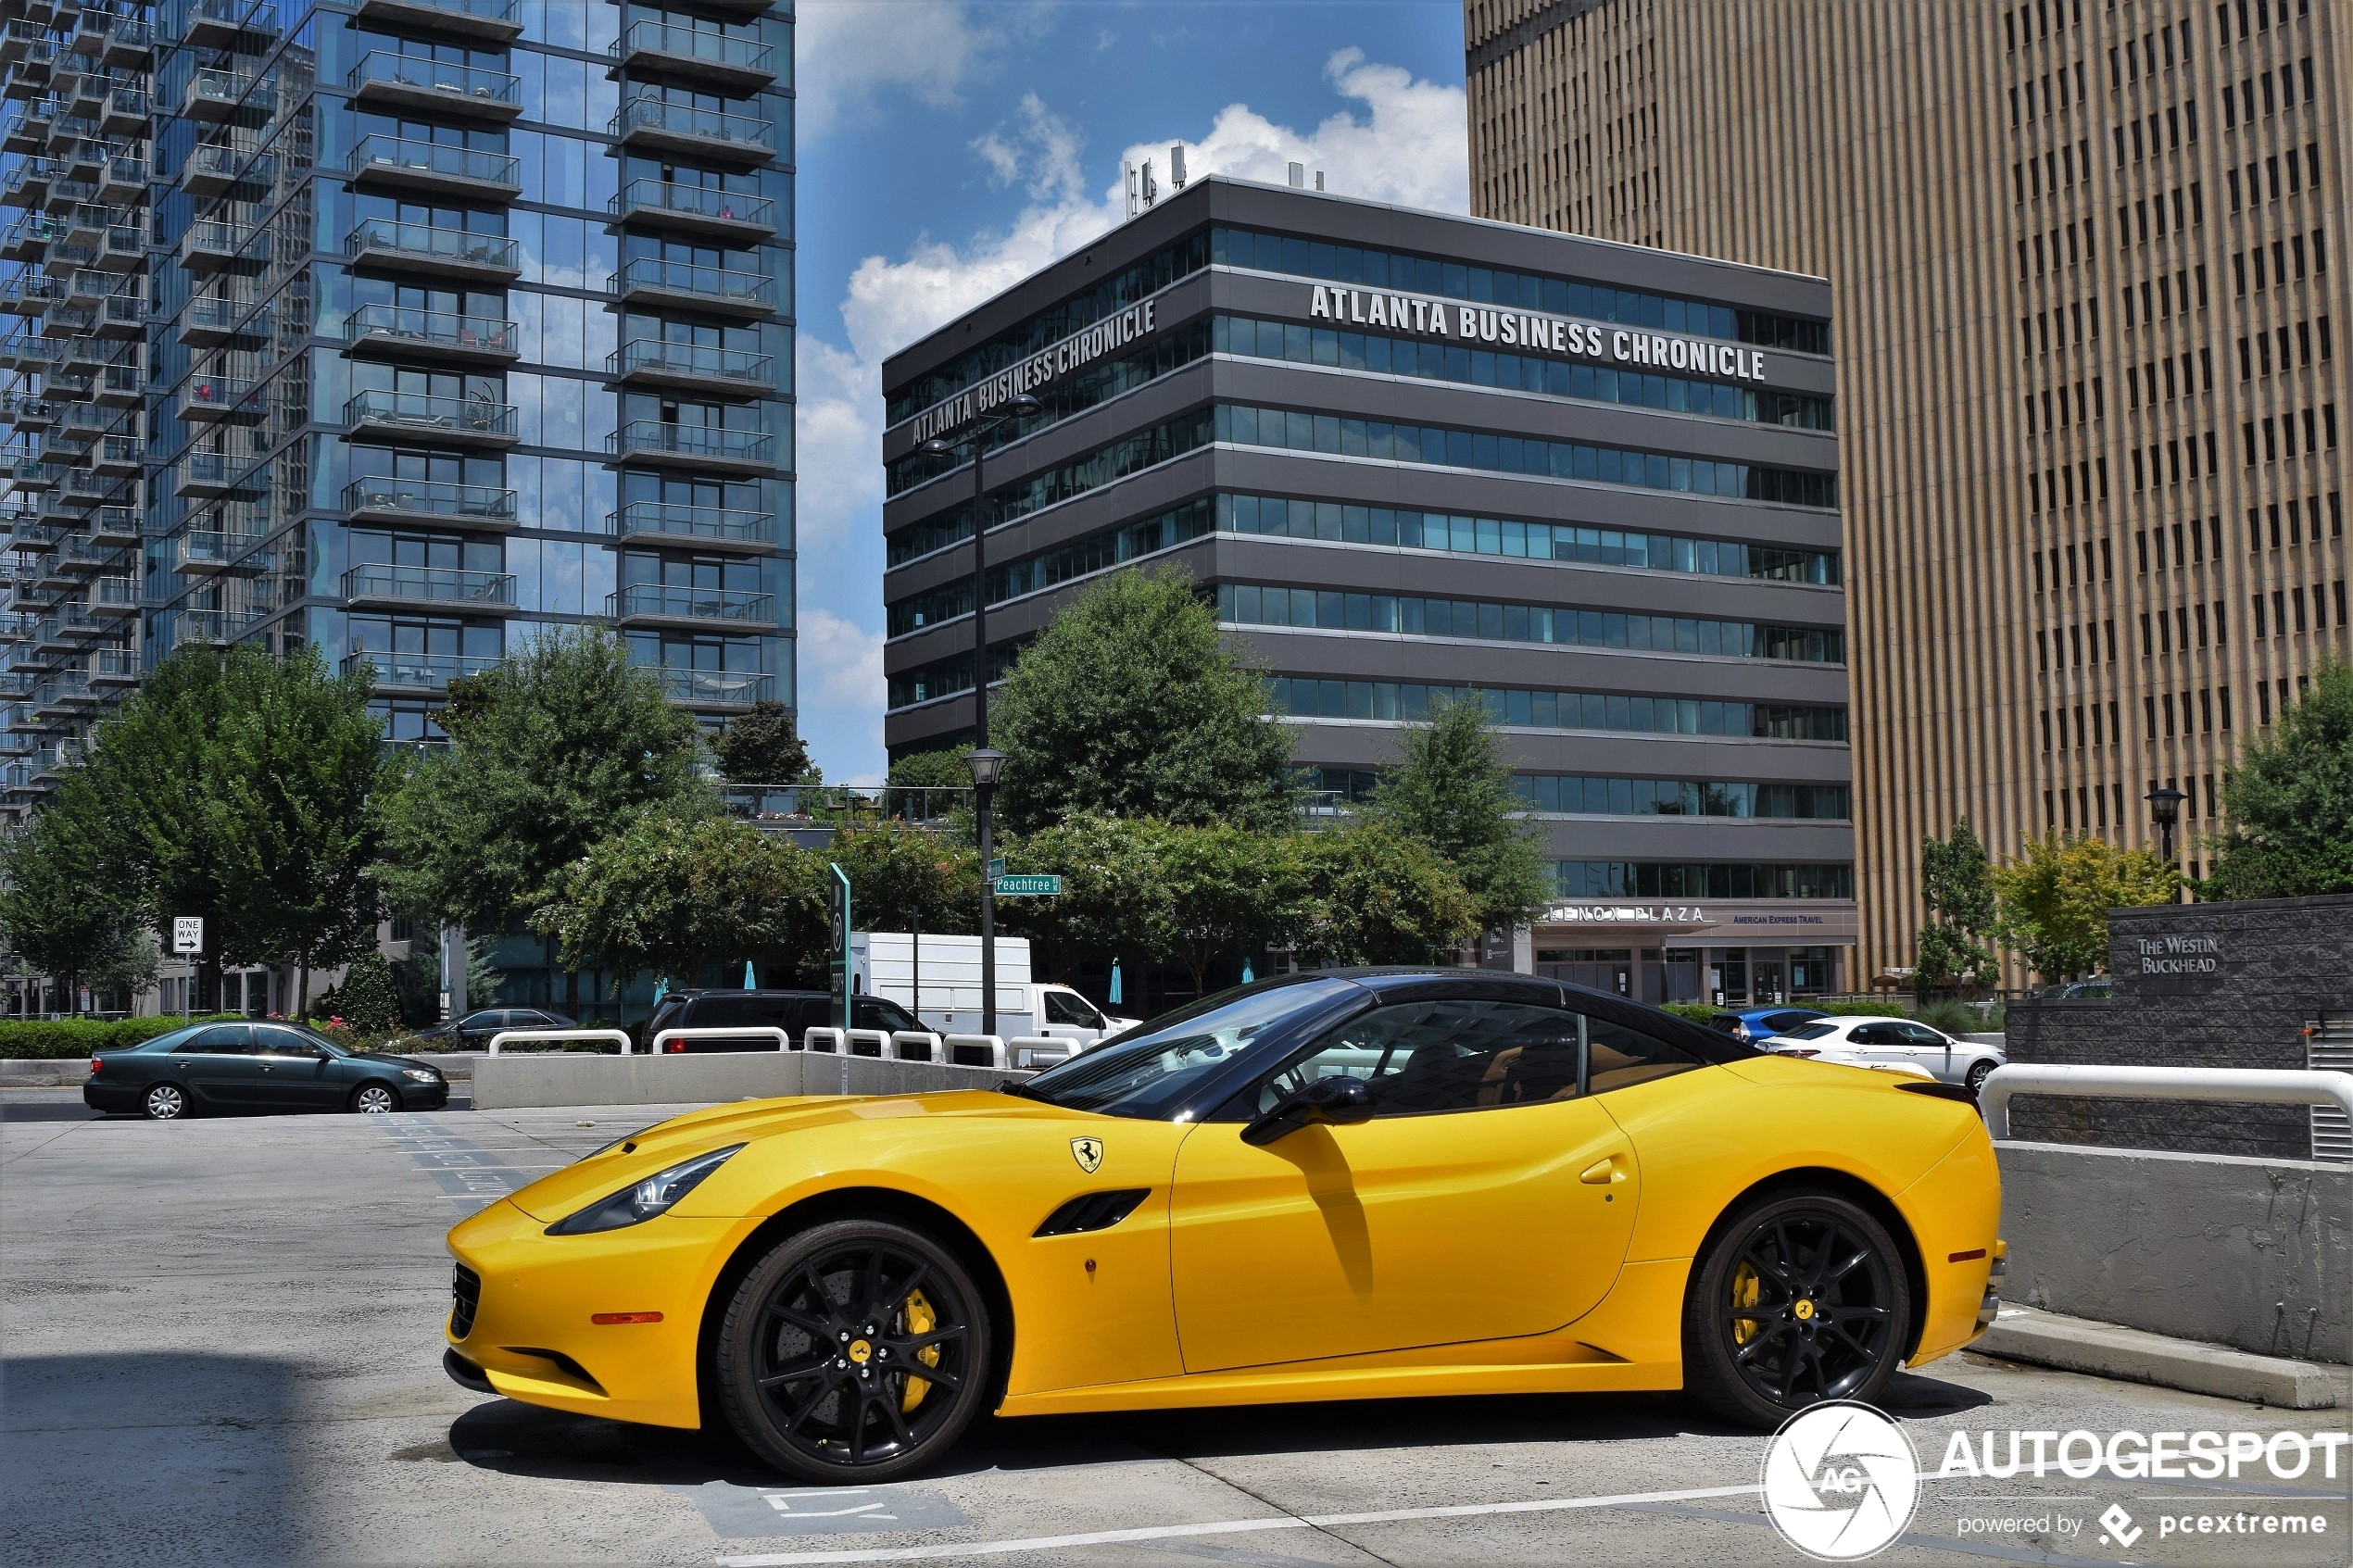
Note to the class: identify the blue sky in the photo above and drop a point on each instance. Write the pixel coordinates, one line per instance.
(947, 150)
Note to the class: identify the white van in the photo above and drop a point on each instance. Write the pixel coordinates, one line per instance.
(889, 964)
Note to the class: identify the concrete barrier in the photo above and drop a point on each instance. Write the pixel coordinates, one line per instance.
(2255, 1254)
(514, 1083)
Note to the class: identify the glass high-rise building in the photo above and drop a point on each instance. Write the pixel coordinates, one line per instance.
(403, 327)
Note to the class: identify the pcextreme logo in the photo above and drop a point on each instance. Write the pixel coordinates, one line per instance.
(1841, 1481)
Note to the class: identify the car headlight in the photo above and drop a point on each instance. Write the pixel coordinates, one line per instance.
(421, 1074)
(636, 1204)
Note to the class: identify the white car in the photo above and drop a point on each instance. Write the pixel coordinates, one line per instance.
(1890, 1043)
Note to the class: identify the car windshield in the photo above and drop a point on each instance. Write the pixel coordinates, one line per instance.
(1149, 1070)
(1811, 1032)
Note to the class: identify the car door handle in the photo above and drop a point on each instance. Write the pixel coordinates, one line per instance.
(1603, 1172)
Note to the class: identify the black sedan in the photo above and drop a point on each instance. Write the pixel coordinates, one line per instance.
(254, 1067)
(473, 1032)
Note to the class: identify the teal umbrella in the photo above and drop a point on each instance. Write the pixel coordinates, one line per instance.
(662, 989)
(1247, 976)
(1115, 982)
(748, 981)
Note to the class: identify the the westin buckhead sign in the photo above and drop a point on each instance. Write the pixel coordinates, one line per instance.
(1483, 326)
(1079, 349)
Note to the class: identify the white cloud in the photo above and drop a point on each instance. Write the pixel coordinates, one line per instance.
(1403, 141)
(849, 53)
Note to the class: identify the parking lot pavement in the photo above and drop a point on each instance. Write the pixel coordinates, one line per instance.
(223, 1340)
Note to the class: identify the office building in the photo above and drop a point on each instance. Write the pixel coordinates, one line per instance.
(2088, 263)
(400, 328)
(1414, 455)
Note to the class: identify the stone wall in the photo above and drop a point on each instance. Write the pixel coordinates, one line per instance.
(2229, 984)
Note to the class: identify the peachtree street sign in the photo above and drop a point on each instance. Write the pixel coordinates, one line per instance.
(1023, 885)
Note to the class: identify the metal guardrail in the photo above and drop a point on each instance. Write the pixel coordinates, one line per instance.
(503, 1036)
(989, 1049)
(906, 1041)
(658, 1046)
(2235, 1086)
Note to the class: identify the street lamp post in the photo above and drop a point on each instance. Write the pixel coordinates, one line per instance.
(986, 765)
(2165, 809)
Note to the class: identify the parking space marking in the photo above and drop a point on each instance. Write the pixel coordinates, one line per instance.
(1224, 1527)
(461, 1168)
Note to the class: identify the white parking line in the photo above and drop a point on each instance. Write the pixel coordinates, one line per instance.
(1221, 1527)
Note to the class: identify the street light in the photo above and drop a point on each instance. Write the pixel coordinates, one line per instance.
(1019, 408)
(2165, 808)
(986, 765)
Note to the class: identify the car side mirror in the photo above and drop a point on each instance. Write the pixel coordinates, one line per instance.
(1335, 1102)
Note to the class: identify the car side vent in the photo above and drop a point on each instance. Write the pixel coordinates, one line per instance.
(465, 1299)
(1940, 1091)
(1092, 1212)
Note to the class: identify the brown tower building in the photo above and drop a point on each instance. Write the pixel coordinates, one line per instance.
(2088, 283)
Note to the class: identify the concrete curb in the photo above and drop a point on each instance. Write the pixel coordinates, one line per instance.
(2132, 1355)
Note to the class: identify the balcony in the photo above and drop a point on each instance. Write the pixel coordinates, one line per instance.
(419, 672)
(648, 124)
(214, 245)
(437, 588)
(417, 415)
(703, 528)
(436, 502)
(27, 411)
(124, 179)
(205, 554)
(28, 184)
(125, 111)
(724, 214)
(215, 474)
(218, 96)
(122, 316)
(697, 54)
(115, 596)
(706, 448)
(656, 604)
(27, 130)
(115, 527)
(693, 366)
(217, 398)
(386, 81)
(395, 163)
(473, 19)
(114, 667)
(717, 688)
(215, 167)
(119, 457)
(215, 24)
(409, 335)
(212, 627)
(443, 253)
(128, 41)
(653, 282)
(212, 318)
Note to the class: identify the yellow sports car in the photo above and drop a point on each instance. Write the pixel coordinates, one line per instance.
(1334, 1186)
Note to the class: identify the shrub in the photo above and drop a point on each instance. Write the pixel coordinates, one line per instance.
(66, 1038)
(370, 1001)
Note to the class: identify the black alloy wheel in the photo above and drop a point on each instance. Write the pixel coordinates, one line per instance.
(164, 1102)
(854, 1352)
(1802, 1297)
(1979, 1072)
(376, 1100)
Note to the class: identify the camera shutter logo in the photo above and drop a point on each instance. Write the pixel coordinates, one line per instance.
(1841, 1481)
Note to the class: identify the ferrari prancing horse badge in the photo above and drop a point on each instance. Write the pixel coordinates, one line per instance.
(1089, 1152)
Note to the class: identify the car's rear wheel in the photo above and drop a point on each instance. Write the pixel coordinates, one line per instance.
(1979, 1072)
(164, 1102)
(375, 1099)
(1801, 1296)
(855, 1351)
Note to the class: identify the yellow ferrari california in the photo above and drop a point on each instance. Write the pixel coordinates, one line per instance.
(1334, 1186)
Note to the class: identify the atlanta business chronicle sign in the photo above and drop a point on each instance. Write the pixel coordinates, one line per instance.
(1479, 325)
(1079, 350)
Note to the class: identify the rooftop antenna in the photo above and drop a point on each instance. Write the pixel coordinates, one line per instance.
(1151, 191)
(1128, 171)
(1319, 178)
(1176, 166)
(1298, 176)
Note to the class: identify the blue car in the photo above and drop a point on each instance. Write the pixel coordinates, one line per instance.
(1750, 1026)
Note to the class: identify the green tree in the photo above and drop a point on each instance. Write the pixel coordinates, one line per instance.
(762, 746)
(1229, 892)
(2054, 900)
(368, 1000)
(296, 762)
(55, 911)
(1130, 704)
(1372, 897)
(670, 893)
(1113, 901)
(2289, 802)
(1453, 791)
(1957, 883)
(907, 879)
(944, 769)
(571, 741)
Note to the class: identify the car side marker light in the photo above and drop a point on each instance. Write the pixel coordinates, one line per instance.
(607, 1318)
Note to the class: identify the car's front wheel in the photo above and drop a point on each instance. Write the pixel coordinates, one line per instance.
(1801, 1296)
(855, 1351)
(164, 1102)
(375, 1099)
(1978, 1072)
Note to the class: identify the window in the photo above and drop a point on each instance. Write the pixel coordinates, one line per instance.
(1063, 1007)
(1449, 1054)
(229, 1039)
(285, 1043)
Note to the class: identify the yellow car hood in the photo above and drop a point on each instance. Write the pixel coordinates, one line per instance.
(681, 1138)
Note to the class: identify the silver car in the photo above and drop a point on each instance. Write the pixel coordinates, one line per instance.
(1890, 1043)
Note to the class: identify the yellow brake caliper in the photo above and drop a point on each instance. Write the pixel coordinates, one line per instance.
(920, 1319)
(1748, 1287)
